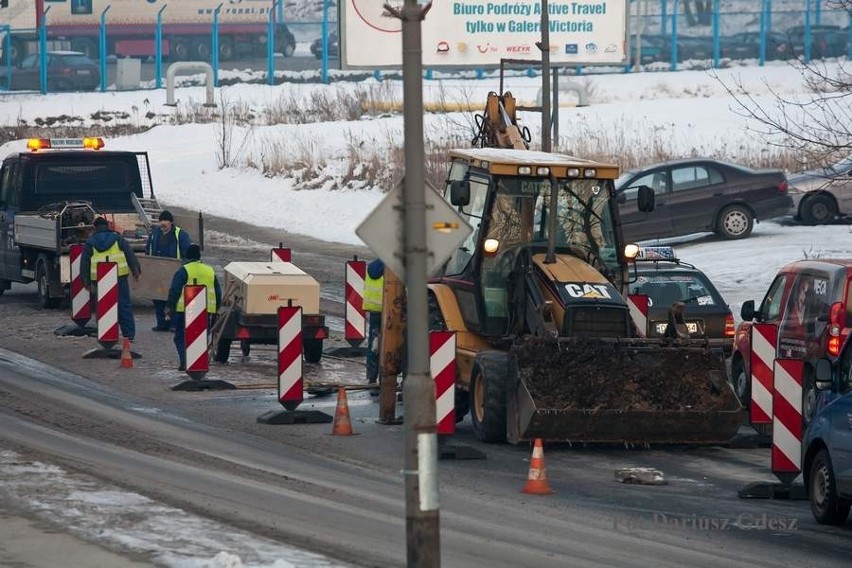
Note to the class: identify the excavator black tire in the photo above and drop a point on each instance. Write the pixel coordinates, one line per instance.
(488, 388)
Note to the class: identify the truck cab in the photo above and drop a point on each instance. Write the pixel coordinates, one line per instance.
(49, 197)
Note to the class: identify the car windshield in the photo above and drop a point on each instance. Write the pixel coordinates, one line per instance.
(584, 223)
(841, 167)
(623, 178)
(667, 287)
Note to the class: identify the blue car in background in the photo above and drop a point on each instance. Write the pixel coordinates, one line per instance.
(827, 444)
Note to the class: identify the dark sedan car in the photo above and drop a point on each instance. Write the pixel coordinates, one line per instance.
(333, 47)
(66, 71)
(746, 45)
(667, 280)
(826, 40)
(701, 194)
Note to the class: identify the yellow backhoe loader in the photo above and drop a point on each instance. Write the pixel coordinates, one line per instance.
(546, 347)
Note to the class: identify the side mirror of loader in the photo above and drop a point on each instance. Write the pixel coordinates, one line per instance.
(822, 375)
(747, 311)
(645, 199)
(460, 193)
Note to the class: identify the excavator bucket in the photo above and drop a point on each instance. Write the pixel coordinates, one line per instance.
(596, 391)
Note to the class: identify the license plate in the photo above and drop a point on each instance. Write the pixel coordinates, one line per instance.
(83, 72)
(691, 327)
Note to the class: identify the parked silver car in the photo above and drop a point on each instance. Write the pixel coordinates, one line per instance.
(821, 195)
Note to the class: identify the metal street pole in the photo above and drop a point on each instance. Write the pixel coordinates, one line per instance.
(544, 46)
(421, 440)
(158, 54)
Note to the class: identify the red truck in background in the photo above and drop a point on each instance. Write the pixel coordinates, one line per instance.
(810, 302)
(130, 27)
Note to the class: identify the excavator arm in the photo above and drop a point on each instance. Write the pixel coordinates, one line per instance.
(497, 126)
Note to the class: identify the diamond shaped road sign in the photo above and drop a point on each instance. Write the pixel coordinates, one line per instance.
(446, 230)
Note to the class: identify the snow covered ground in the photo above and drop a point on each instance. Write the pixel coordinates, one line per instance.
(680, 114)
(130, 523)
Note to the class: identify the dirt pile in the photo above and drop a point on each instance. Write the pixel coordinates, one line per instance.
(595, 375)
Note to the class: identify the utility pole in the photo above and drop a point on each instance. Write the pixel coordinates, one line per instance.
(421, 440)
(544, 46)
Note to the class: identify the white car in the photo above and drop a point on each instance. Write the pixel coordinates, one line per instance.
(820, 196)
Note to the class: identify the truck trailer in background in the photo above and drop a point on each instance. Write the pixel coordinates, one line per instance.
(187, 27)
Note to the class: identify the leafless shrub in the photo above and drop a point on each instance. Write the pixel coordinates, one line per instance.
(228, 150)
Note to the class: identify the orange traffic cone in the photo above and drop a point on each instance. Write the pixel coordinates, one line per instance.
(537, 477)
(342, 424)
(126, 355)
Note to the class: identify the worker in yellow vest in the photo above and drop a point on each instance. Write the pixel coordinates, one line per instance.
(107, 245)
(373, 288)
(193, 272)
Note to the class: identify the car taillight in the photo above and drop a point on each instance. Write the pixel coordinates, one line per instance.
(729, 325)
(835, 326)
(783, 186)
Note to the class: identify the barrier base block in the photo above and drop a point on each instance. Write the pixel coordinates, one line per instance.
(351, 352)
(74, 330)
(448, 451)
(770, 490)
(295, 417)
(750, 441)
(196, 386)
(111, 353)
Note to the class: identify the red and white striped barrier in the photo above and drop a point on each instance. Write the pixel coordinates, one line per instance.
(81, 304)
(290, 383)
(356, 272)
(638, 306)
(281, 254)
(787, 426)
(442, 367)
(195, 331)
(107, 311)
(764, 338)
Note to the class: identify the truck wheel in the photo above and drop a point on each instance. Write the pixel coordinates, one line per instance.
(818, 210)
(734, 222)
(43, 276)
(17, 52)
(201, 49)
(85, 45)
(741, 381)
(313, 350)
(245, 347)
(179, 49)
(223, 350)
(226, 49)
(4, 285)
(488, 389)
(826, 506)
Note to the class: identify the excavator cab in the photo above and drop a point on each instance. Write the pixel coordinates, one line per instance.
(546, 345)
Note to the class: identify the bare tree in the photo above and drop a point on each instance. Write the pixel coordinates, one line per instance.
(817, 124)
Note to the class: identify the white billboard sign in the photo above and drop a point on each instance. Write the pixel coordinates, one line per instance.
(482, 32)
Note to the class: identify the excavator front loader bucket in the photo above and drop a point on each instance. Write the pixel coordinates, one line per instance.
(608, 392)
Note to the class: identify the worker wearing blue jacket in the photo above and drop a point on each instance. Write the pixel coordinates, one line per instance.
(105, 245)
(193, 272)
(170, 241)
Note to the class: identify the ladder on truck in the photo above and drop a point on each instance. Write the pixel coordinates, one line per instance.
(147, 207)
